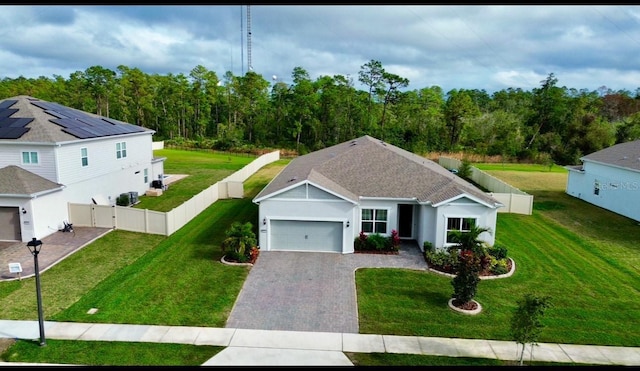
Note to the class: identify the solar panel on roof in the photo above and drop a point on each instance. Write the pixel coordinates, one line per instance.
(56, 114)
(83, 125)
(7, 112)
(12, 133)
(7, 103)
(11, 128)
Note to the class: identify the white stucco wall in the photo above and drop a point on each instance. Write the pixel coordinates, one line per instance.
(465, 208)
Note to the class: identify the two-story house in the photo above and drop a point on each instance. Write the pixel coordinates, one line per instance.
(52, 155)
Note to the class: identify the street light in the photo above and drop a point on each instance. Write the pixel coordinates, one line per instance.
(34, 247)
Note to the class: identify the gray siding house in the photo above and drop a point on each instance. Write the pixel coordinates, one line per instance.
(609, 178)
(323, 200)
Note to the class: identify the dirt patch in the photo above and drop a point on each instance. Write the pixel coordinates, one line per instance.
(6, 343)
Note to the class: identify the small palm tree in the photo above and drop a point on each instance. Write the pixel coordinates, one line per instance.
(472, 260)
(239, 237)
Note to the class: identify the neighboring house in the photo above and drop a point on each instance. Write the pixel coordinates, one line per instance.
(51, 155)
(609, 178)
(323, 200)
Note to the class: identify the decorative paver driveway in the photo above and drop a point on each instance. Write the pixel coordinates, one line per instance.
(309, 291)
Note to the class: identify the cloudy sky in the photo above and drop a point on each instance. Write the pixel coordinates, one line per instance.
(454, 47)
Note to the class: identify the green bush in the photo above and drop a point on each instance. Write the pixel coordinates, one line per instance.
(464, 170)
(441, 258)
(378, 242)
(428, 246)
(498, 251)
(123, 200)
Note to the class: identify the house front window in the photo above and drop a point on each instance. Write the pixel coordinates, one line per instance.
(121, 149)
(459, 224)
(596, 188)
(84, 156)
(30, 158)
(146, 176)
(374, 221)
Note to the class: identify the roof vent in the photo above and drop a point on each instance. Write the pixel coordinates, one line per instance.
(292, 179)
(353, 143)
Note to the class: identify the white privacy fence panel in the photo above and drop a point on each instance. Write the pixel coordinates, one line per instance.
(514, 200)
(156, 222)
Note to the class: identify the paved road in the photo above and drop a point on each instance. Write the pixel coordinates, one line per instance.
(307, 291)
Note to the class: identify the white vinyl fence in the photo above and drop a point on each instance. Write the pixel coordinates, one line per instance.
(156, 222)
(514, 200)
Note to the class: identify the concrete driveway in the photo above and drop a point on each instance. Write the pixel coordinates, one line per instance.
(308, 291)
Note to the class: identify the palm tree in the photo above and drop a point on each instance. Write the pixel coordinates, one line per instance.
(472, 260)
(239, 237)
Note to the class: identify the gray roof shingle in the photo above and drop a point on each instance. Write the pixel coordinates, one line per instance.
(369, 167)
(15, 180)
(625, 155)
(41, 128)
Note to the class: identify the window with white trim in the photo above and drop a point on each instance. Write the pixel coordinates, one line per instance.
(596, 188)
(121, 149)
(30, 157)
(374, 221)
(84, 156)
(146, 176)
(459, 224)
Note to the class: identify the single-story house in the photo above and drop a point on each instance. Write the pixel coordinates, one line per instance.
(321, 201)
(52, 155)
(609, 178)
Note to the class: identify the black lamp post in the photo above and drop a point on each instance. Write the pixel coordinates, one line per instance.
(34, 247)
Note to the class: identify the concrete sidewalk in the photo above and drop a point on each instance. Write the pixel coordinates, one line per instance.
(245, 347)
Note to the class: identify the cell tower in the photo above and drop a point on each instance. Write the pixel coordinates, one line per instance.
(249, 65)
(241, 42)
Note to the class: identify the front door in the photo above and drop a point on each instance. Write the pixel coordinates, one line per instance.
(405, 221)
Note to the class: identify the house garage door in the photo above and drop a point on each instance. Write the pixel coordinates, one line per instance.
(293, 235)
(10, 224)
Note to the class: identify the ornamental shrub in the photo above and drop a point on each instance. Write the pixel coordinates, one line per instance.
(498, 251)
(378, 242)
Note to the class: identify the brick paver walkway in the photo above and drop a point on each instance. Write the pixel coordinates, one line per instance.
(55, 247)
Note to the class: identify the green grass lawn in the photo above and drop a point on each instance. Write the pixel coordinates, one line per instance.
(107, 353)
(203, 169)
(584, 257)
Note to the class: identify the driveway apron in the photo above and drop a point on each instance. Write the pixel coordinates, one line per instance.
(310, 291)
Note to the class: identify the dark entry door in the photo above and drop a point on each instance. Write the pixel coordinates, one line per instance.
(405, 220)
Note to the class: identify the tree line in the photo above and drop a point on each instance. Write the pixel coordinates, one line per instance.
(547, 124)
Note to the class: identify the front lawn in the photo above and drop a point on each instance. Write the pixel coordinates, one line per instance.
(584, 257)
(566, 250)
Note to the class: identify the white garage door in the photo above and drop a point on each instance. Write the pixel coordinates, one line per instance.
(9, 224)
(293, 235)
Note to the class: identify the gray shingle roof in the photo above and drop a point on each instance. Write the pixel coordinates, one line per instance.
(15, 180)
(368, 167)
(626, 155)
(41, 129)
